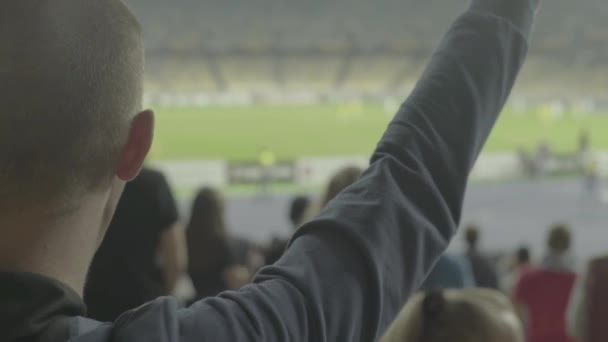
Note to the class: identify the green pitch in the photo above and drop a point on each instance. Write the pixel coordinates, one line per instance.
(290, 131)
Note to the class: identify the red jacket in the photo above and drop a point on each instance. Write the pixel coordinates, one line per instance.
(546, 295)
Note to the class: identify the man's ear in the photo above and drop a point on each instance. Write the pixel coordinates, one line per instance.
(138, 145)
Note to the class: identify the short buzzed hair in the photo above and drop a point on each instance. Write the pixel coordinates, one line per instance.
(70, 82)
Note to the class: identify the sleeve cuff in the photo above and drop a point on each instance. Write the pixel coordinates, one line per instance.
(520, 13)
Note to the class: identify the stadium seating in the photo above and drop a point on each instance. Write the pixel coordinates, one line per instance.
(350, 45)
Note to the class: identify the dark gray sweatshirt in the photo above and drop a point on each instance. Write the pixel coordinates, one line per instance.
(347, 273)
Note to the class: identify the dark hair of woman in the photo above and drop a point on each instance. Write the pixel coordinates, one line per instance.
(208, 246)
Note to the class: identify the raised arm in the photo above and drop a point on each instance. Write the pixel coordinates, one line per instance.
(347, 273)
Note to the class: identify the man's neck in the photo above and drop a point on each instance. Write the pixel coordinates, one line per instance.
(60, 248)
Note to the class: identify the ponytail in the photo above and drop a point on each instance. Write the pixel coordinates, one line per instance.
(433, 309)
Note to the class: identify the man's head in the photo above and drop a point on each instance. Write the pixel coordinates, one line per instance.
(297, 210)
(72, 132)
(471, 236)
(559, 239)
(523, 256)
(70, 93)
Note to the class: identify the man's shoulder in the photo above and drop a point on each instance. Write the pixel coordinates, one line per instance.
(152, 322)
(88, 330)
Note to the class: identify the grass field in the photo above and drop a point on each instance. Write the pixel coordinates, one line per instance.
(290, 131)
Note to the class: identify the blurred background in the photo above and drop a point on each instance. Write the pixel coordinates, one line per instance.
(266, 99)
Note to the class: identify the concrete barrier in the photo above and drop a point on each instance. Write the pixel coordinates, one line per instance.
(315, 171)
(194, 174)
(496, 166)
(318, 170)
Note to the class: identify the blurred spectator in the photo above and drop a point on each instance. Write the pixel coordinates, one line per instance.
(484, 270)
(212, 264)
(543, 157)
(246, 253)
(473, 315)
(584, 142)
(297, 211)
(267, 161)
(142, 255)
(589, 166)
(301, 211)
(337, 183)
(542, 294)
(591, 178)
(527, 162)
(340, 181)
(450, 272)
(516, 266)
(589, 304)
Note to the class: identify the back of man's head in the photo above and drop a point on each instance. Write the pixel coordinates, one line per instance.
(523, 255)
(559, 239)
(471, 236)
(70, 83)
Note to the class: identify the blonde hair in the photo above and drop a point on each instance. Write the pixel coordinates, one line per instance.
(471, 315)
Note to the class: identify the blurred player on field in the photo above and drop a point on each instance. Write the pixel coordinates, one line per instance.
(267, 161)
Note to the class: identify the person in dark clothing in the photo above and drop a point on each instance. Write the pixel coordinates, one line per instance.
(346, 273)
(588, 306)
(484, 271)
(516, 266)
(523, 257)
(297, 212)
(212, 264)
(125, 273)
(247, 253)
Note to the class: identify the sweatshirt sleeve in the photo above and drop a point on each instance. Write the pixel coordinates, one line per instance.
(348, 272)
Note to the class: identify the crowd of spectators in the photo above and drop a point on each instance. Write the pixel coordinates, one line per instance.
(510, 298)
(92, 247)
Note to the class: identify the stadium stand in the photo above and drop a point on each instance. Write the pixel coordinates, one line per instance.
(345, 45)
(307, 72)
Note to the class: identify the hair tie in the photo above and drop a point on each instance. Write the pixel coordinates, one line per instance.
(433, 305)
